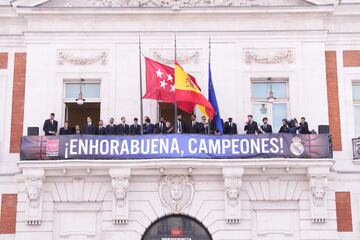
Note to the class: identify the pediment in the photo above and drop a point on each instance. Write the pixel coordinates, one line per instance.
(165, 3)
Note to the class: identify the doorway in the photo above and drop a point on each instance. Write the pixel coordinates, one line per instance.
(76, 114)
(167, 110)
(175, 227)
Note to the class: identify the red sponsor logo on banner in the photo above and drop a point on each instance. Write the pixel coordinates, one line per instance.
(52, 148)
(176, 232)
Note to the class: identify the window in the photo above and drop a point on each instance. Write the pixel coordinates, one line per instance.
(90, 90)
(275, 110)
(356, 100)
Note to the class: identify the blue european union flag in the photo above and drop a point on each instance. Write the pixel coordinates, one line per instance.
(213, 101)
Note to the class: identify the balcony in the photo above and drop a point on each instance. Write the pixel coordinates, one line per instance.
(176, 146)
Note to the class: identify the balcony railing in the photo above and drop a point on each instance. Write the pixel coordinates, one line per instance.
(356, 148)
(170, 146)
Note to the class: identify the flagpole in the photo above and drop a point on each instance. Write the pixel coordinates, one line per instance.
(175, 103)
(140, 95)
(209, 127)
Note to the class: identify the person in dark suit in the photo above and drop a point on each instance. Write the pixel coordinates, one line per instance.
(181, 127)
(169, 128)
(251, 127)
(266, 128)
(194, 125)
(148, 126)
(50, 126)
(160, 127)
(135, 128)
(284, 128)
(101, 130)
(123, 128)
(230, 127)
(65, 130)
(77, 130)
(214, 129)
(89, 127)
(204, 126)
(111, 128)
(303, 127)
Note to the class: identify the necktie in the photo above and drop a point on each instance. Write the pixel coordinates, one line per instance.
(161, 126)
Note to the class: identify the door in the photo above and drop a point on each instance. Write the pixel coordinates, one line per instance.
(77, 114)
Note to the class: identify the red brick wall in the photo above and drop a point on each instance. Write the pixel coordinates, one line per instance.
(17, 115)
(351, 58)
(333, 99)
(8, 214)
(343, 212)
(3, 60)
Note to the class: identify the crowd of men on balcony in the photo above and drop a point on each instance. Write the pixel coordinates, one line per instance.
(50, 127)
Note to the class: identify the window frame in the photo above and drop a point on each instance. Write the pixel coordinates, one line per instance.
(77, 81)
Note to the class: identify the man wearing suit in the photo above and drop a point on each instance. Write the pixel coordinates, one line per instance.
(65, 130)
(230, 127)
(251, 127)
(135, 128)
(160, 127)
(50, 126)
(204, 126)
(148, 126)
(303, 127)
(181, 127)
(194, 126)
(266, 128)
(101, 130)
(77, 130)
(89, 127)
(111, 128)
(123, 128)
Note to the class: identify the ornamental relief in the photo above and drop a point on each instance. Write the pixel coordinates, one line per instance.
(81, 57)
(172, 3)
(176, 192)
(269, 56)
(183, 56)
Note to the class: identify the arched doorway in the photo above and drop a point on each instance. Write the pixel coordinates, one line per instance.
(176, 227)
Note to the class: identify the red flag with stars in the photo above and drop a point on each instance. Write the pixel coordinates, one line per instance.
(159, 81)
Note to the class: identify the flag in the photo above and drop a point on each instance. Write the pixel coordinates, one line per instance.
(188, 94)
(213, 101)
(159, 81)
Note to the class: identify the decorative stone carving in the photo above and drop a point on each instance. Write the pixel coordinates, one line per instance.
(176, 192)
(33, 188)
(318, 184)
(120, 200)
(259, 56)
(186, 57)
(232, 180)
(70, 58)
(175, 4)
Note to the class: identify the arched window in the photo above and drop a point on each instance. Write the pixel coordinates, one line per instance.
(176, 227)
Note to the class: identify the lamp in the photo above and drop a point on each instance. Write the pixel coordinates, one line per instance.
(271, 98)
(263, 109)
(80, 100)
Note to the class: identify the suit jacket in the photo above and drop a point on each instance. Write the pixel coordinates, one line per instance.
(203, 128)
(304, 128)
(213, 128)
(89, 129)
(267, 128)
(149, 128)
(101, 131)
(183, 127)
(230, 128)
(64, 131)
(194, 128)
(284, 129)
(123, 130)
(159, 128)
(135, 130)
(48, 126)
(169, 129)
(251, 128)
(111, 130)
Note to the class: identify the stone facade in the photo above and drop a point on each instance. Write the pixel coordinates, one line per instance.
(314, 45)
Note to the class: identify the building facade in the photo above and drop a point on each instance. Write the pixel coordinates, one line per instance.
(308, 51)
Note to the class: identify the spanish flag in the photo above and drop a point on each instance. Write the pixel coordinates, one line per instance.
(188, 94)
